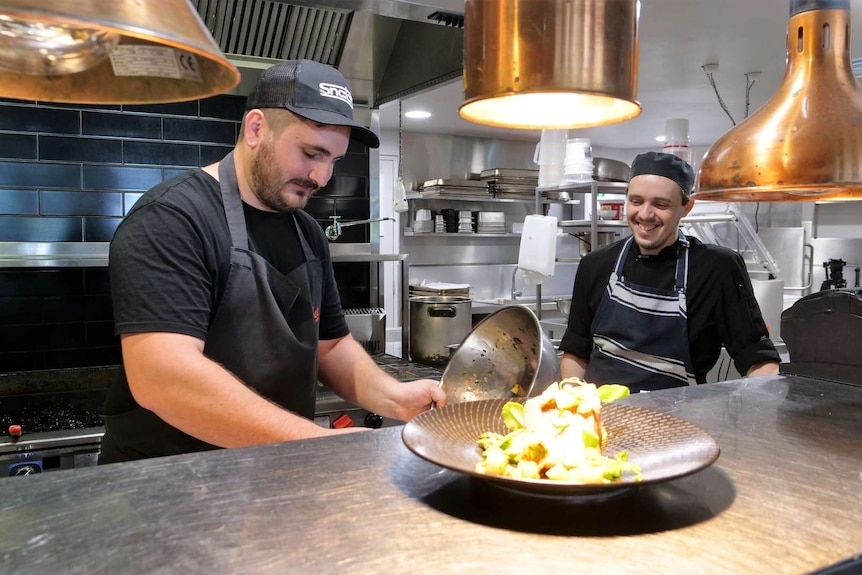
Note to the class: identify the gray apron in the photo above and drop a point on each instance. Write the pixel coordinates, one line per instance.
(265, 332)
(640, 334)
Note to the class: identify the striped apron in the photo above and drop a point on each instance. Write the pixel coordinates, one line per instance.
(640, 334)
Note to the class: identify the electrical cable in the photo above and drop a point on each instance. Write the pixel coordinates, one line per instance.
(717, 95)
(749, 82)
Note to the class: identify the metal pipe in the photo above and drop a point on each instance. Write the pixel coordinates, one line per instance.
(333, 230)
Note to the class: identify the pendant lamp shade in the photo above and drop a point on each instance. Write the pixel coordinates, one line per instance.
(545, 64)
(805, 143)
(109, 52)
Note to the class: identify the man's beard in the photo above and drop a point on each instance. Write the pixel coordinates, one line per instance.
(265, 184)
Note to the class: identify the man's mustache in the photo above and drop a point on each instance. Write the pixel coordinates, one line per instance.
(310, 184)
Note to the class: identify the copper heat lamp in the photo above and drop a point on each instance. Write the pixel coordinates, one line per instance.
(805, 143)
(550, 63)
(109, 52)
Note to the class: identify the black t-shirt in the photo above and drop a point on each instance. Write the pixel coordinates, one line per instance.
(170, 258)
(722, 309)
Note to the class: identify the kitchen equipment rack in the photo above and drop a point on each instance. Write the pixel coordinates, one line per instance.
(594, 188)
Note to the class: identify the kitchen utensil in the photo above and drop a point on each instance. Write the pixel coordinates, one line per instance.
(507, 354)
(557, 195)
(439, 288)
(435, 322)
(611, 209)
(608, 170)
(564, 305)
(665, 447)
(604, 239)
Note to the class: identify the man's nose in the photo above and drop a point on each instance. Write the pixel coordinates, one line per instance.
(646, 210)
(321, 173)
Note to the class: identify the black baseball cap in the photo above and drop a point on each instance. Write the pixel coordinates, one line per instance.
(668, 165)
(315, 91)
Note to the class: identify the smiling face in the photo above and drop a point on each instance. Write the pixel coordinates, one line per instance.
(291, 159)
(654, 208)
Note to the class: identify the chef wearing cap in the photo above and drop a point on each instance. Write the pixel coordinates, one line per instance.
(224, 294)
(653, 310)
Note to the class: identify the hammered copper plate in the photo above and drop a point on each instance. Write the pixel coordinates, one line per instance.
(665, 447)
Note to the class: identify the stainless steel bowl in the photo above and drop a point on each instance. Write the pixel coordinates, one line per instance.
(564, 304)
(506, 355)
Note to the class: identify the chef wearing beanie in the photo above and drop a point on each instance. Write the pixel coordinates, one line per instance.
(653, 310)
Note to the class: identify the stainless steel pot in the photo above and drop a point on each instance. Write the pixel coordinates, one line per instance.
(506, 355)
(585, 245)
(435, 323)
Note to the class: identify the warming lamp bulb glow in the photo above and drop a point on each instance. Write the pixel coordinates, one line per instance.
(550, 64)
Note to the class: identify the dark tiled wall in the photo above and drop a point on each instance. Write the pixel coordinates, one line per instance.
(69, 173)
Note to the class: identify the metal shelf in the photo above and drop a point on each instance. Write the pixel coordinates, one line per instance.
(459, 234)
(593, 188)
(487, 198)
(587, 223)
(587, 187)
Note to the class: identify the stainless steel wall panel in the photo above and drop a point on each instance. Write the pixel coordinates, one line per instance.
(786, 247)
(433, 156)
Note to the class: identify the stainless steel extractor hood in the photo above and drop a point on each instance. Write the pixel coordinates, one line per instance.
(386, 49)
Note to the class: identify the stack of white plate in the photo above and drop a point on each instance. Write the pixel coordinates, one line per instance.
(491, 223)
(465, 222)
(439, 224)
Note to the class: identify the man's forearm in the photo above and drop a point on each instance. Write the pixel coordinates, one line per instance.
(573, 366)
(169, 375)
(348, 370)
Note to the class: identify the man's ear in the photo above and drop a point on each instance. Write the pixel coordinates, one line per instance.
(688, 206)
(253, 127)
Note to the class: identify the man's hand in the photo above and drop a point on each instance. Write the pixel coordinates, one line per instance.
(411, 398)
(765, 368)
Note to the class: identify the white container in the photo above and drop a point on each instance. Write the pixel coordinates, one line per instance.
(551, 149)
(677, 140)
(538, 249)
(551, 175)
(579, 161)
(550, 155)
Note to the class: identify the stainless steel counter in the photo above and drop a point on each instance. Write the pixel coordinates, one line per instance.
(785, 496)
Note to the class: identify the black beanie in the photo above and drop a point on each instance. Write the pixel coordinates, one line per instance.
(667, 165)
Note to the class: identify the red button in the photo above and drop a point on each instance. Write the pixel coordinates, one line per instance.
(15, 430)
(342, 421)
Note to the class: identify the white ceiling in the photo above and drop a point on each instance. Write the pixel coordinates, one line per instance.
(677, 37)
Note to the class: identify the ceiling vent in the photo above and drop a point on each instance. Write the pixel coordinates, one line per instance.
(275, 30)
(386, 49)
